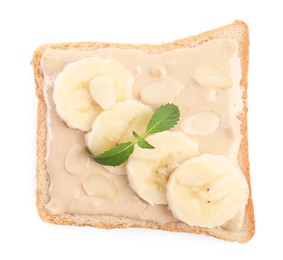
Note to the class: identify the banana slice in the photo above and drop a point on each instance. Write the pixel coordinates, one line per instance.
(84, 87)
(149, 169)
(115, 126)
(106, 98)
(203, 123)
(160, 92)
(206, 191)
(209, 75)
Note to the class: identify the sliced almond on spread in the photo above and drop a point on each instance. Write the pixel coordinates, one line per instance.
(53, 208)
(76, 160)
(236, 222)
(97, 185)
(209, 75)
(158, 72)
(160, 92)
(120, 170)
(203, 123)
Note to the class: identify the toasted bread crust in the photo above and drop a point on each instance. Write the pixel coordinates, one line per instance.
(239, 31)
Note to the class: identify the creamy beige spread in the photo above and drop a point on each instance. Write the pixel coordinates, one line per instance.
(67, 194)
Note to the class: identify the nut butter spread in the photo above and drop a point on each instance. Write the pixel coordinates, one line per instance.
(81, 186)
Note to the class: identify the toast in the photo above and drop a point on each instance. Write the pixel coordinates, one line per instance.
(237, 31)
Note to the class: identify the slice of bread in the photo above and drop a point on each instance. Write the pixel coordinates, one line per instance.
(238, 31)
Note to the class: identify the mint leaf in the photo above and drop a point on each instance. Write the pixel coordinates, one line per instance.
(115, 156)
(136, 135)
(163, 119)
(142, 143)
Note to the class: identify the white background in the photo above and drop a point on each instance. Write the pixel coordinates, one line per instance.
(24, 25)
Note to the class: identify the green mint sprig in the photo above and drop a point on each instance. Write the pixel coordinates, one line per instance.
(164, 118)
